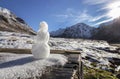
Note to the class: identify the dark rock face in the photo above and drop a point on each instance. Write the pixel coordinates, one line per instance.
(109, 31)
(118, 76)
(108, 49)
(11, 23)
(115, 61)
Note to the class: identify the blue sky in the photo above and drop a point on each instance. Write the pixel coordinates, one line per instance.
(63, 13)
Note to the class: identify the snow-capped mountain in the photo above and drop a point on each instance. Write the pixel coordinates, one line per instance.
(10, 22)
(109, 31)
(79, 30)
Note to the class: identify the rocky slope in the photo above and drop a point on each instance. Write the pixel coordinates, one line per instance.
(79, 30)
(12, 23)
(109, 31)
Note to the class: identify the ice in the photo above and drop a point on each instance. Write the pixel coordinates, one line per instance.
(41, 48)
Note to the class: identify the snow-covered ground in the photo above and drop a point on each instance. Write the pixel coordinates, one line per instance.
(93, 52)
(23, 66)
(15, 40)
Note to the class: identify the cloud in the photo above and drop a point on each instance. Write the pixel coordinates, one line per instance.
(82, 16)
(62, 15)
(104, 21)
(111, 13)
(93, 19)
(111, 9)
(66, 15)
(85, 16)
(96, 2)
(107, 9)
(78, 16)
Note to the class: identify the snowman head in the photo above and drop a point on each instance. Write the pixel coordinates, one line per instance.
(43, 26)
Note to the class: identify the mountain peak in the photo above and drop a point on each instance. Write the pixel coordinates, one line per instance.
(79, 30)
(81, 24)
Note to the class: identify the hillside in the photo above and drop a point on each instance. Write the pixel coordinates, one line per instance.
(12, 23)
(109, 31)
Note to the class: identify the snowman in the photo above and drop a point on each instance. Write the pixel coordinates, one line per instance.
(41, 48)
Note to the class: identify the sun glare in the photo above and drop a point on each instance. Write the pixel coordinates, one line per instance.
(114, 10)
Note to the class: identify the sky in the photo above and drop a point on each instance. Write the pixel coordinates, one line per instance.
(63, 13)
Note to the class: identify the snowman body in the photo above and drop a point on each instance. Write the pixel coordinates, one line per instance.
(41, 48)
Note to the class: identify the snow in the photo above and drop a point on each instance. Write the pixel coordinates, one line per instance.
(4, 10)
(41, 48)
(13, 66)
(118, 68)
(15, 40)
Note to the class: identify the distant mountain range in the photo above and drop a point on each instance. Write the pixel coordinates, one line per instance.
(10, 22)
(79, 30)
(109, 31)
